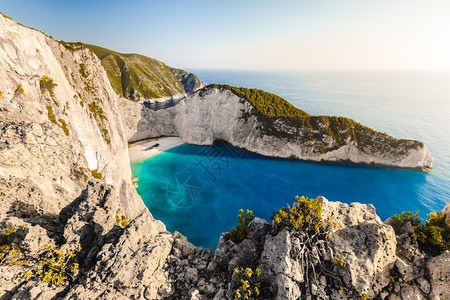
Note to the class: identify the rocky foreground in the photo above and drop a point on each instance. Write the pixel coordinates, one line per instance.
(73, 227)
(365, 258)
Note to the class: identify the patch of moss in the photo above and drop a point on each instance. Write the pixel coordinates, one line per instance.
(247, 283)
(47, 84)
(305, 214)
(99, 115)
(5, 16)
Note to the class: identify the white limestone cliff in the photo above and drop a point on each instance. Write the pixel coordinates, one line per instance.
(49, 196)
(216, 114)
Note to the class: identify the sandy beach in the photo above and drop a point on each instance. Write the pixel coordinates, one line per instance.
(144, 149)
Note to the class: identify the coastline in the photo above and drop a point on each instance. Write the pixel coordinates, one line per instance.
(139, 151)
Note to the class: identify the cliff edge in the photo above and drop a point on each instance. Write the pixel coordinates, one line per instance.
(73, 227)
(267, 124)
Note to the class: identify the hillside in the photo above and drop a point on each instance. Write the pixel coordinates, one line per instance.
(139, 77)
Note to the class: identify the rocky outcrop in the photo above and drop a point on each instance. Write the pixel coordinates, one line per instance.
(60, 130)
(376, 262)
(66, 191)
(216, 113)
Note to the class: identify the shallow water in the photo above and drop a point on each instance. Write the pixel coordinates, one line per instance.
(198, 190)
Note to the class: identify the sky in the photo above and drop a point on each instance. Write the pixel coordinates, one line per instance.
(255, 34)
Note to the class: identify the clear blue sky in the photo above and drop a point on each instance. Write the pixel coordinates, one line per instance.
(255, 34)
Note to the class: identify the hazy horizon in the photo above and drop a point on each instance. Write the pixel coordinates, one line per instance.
(255, 35)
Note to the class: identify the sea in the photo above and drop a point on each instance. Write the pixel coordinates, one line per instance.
(199, 190)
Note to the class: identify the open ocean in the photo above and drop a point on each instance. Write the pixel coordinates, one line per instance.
(198, 190)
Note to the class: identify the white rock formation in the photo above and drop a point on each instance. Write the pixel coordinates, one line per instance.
(218, 114)
(50, 196)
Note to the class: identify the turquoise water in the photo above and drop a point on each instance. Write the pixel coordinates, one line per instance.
(198, 190)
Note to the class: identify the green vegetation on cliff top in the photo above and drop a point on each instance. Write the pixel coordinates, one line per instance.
(136, 76)
(272, 108)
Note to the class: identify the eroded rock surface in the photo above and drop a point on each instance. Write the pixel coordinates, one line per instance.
(66, 185)
(214, 113)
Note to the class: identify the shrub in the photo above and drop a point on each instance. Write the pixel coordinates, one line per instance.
(432, 235)
(55, 267)
(245, 279)
(19, 90)
(267, 103)
(9, 254)
(97, 111)
(84, 73)
(239, 233)
(64, 126)
(71, 46)
(363, 296)
(122, 220)
(339, 261)
(304, 215)
(96, 174)
(61, 123)
(47, 84)
(1, 95)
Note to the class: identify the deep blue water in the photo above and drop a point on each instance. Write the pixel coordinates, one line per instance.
(198, 190)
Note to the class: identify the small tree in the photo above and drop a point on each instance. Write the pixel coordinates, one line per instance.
(47, 84)
(239, 233)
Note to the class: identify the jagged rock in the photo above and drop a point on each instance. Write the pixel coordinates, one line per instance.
(439, 271)
(446, 211)
(46, 183)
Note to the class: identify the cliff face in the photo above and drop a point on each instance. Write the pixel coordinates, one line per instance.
(215, 113)
(64, 166)
(73, 227)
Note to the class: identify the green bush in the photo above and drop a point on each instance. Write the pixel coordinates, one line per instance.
(84, 73)
(267, 103)
(122, 220)
(19, 90)
(239, 233)
(54, 267)
(71, 46)
(245, 279)
(432, 235)
(64, 126)
(47, 84)
(304, 215)
(9, 254)
(97, 111)
(96, 174)
(61, 123)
